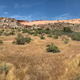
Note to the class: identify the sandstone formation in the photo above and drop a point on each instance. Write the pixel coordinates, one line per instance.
(22, 20)
(9, 23)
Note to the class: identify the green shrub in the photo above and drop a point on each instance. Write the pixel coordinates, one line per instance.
(2, 31)
(52, 48)
(39, 28)
(66, 41)
(12, 32)
(47, 29)
(31, 33)
(42, 37)
(77, 77)
(67, 29)
(0, 34)
(4, 68)
(39, 31)
(19, 30)
(35, 34)
(7, 31)
(49, 35)
(63, 38)
(6, 34)
(27, 39)
(25, 31)
(14, 42)
(76, 37)
(20, 39)
(1, 42)
(55, 37)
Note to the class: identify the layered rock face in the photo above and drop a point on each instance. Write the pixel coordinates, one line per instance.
(22, 20)
(9, 23)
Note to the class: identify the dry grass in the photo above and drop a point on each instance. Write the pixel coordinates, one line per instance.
(32, 62)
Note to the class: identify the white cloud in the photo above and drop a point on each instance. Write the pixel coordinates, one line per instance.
(2, 7)
(17, 5)
(5, 12)
(25, 6)
(18, 17)
(62, 17)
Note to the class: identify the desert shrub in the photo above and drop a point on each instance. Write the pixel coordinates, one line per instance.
(4, 68)
(49, 35)
(27, 39)
(66, 41)
(7, 31)
(19, 30)
(72, 34)
(12, 32)
(31, 29)
(31, 33)
(1, 32)
(63, 38)
(52, 48)
(58, 32)
(25, 31)
(55, 37)
(6, 34)
(76, 37)
(77, 77)
(12, 20)
(42, 37)
(47, 29)
(27, 26)
(67, 29)
(39, 31)
(35, 34)
(14, 42)
(20, 39)
(1, 42)
(39, 28)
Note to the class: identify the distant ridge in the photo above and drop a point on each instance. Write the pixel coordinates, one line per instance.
(37, 22)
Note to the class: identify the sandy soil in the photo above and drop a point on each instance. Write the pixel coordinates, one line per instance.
(77, 21)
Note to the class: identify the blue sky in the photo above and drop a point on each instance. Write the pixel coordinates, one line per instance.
(40, 9)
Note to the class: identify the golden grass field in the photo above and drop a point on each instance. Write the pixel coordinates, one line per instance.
(32, 62)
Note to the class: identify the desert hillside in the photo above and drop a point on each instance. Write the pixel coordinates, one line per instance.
(74, 24)
(48, 51)
(9, 23)
(37, 22)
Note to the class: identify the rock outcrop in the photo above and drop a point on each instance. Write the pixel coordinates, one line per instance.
(9, 23)
(22, 20)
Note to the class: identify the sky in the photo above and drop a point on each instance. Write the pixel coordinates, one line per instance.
(40, 9)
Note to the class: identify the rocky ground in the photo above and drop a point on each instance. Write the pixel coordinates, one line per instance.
(9, 23)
